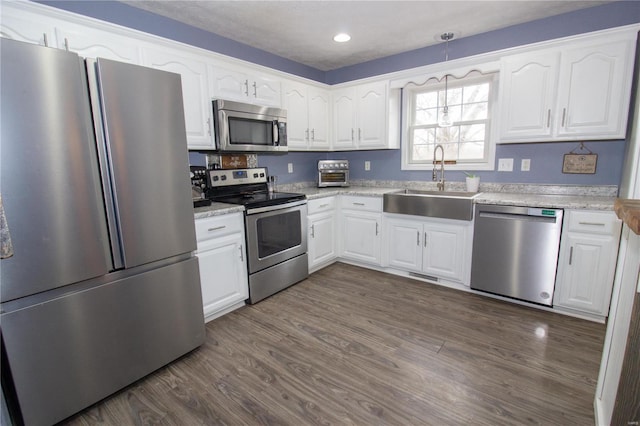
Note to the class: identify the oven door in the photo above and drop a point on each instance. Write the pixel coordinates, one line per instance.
(275, 234)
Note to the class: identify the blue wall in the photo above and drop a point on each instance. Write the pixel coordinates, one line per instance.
(546, 158)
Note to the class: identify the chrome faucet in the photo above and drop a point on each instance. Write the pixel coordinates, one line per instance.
(435, 175)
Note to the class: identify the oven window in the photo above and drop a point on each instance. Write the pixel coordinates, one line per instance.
(278, 233)
(334, 177)
(245, 131)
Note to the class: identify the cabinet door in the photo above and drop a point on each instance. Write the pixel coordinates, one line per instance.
(223, 273)
(361, 236)
(371, 115)
(322, 246)
(230, 84)
(24, 26)
(295, 102)
(593, 82)
(443, 254)
(344, 104)
(318, 118)
(587, 265)
(404, 244)
(527, 96)
(91, 43)
(265, 91)
(195, 92)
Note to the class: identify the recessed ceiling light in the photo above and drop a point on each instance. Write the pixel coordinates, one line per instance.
(342, 37)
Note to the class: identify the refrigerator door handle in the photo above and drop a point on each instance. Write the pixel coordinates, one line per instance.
(106, 170)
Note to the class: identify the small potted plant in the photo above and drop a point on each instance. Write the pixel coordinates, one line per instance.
(473, 182)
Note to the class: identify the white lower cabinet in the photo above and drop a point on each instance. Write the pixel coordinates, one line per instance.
(433, 247)
(587, 261)
(222, 259)
(322, 232)
(361, 229)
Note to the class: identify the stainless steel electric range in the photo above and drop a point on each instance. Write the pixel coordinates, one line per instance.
(275, 228)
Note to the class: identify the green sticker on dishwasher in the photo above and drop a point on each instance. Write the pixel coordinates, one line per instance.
(548, 212)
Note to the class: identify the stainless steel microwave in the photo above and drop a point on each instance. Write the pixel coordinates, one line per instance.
(241, 127)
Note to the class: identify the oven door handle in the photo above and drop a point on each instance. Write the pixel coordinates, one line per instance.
(276, 207)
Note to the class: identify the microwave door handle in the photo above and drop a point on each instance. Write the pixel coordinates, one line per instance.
(276, 133)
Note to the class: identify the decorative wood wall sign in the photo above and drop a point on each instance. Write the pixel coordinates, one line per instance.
(580, 163)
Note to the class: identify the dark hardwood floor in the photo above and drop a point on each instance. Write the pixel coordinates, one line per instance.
(350, 346)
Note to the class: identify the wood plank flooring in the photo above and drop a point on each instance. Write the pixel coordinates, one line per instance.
(351, 346)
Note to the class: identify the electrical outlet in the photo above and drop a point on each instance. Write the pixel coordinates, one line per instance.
(290, 167)
(367, 165)
(505, 164)
(525, 164)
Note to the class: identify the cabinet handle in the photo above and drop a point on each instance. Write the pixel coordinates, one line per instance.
(241, 253)
(591, 223)
(352, 134)
(548, 118)
(359, 134)
(425, 239)
(246, 87)
(313, 231)
(418, 238)
(209, 125)
(564, 115)
(46, 41)
(217, 228)
(255, 90)
(376, 227)
(66, 44)
(323, 205)
(313, 134)
(570, 255)
(306, 134)
(358, 204)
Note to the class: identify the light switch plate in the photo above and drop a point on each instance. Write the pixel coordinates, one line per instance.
(505, 164)
(367, 165)
(525, 165)
(290, 167)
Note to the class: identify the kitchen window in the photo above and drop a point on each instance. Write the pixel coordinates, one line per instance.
(468, 141)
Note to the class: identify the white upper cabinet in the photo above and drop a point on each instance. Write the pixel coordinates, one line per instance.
(580, 91)
(28, 27)
(242, 85)
(97, 43)
(361, 117)
(307, 116)
(195, 92)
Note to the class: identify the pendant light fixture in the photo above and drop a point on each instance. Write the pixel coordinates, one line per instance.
(444, 120)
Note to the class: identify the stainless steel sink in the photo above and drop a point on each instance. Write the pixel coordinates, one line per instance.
(442, 204)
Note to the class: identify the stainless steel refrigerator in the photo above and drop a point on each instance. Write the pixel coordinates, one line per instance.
(99, 286)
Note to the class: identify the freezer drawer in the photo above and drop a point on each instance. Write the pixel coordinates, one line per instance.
(515, 251)
(70, 352)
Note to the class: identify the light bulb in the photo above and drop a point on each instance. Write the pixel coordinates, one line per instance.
(445, 120)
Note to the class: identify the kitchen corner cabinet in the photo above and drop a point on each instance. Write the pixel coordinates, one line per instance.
(222, 260)
(578, 92)
(321, 233)
(361, 229)
(237, 84)
(587, 261)
(361, 117)
(307, 116)
(195, 92)
(433, 247)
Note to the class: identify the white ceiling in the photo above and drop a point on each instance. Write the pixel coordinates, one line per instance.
(303, 30)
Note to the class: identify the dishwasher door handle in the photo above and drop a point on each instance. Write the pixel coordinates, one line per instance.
(517, 216)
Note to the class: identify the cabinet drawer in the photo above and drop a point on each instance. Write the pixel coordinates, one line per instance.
(217, 226)
(372, 204)
(321, 205)
(591, 222)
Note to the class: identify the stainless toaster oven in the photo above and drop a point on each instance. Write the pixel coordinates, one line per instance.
(333, 173)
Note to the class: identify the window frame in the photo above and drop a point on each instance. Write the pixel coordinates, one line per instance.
(435, 84)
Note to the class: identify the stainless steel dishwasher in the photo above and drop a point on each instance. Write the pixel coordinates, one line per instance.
(515, 251)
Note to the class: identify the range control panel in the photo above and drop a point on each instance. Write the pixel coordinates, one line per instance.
(217, 178)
